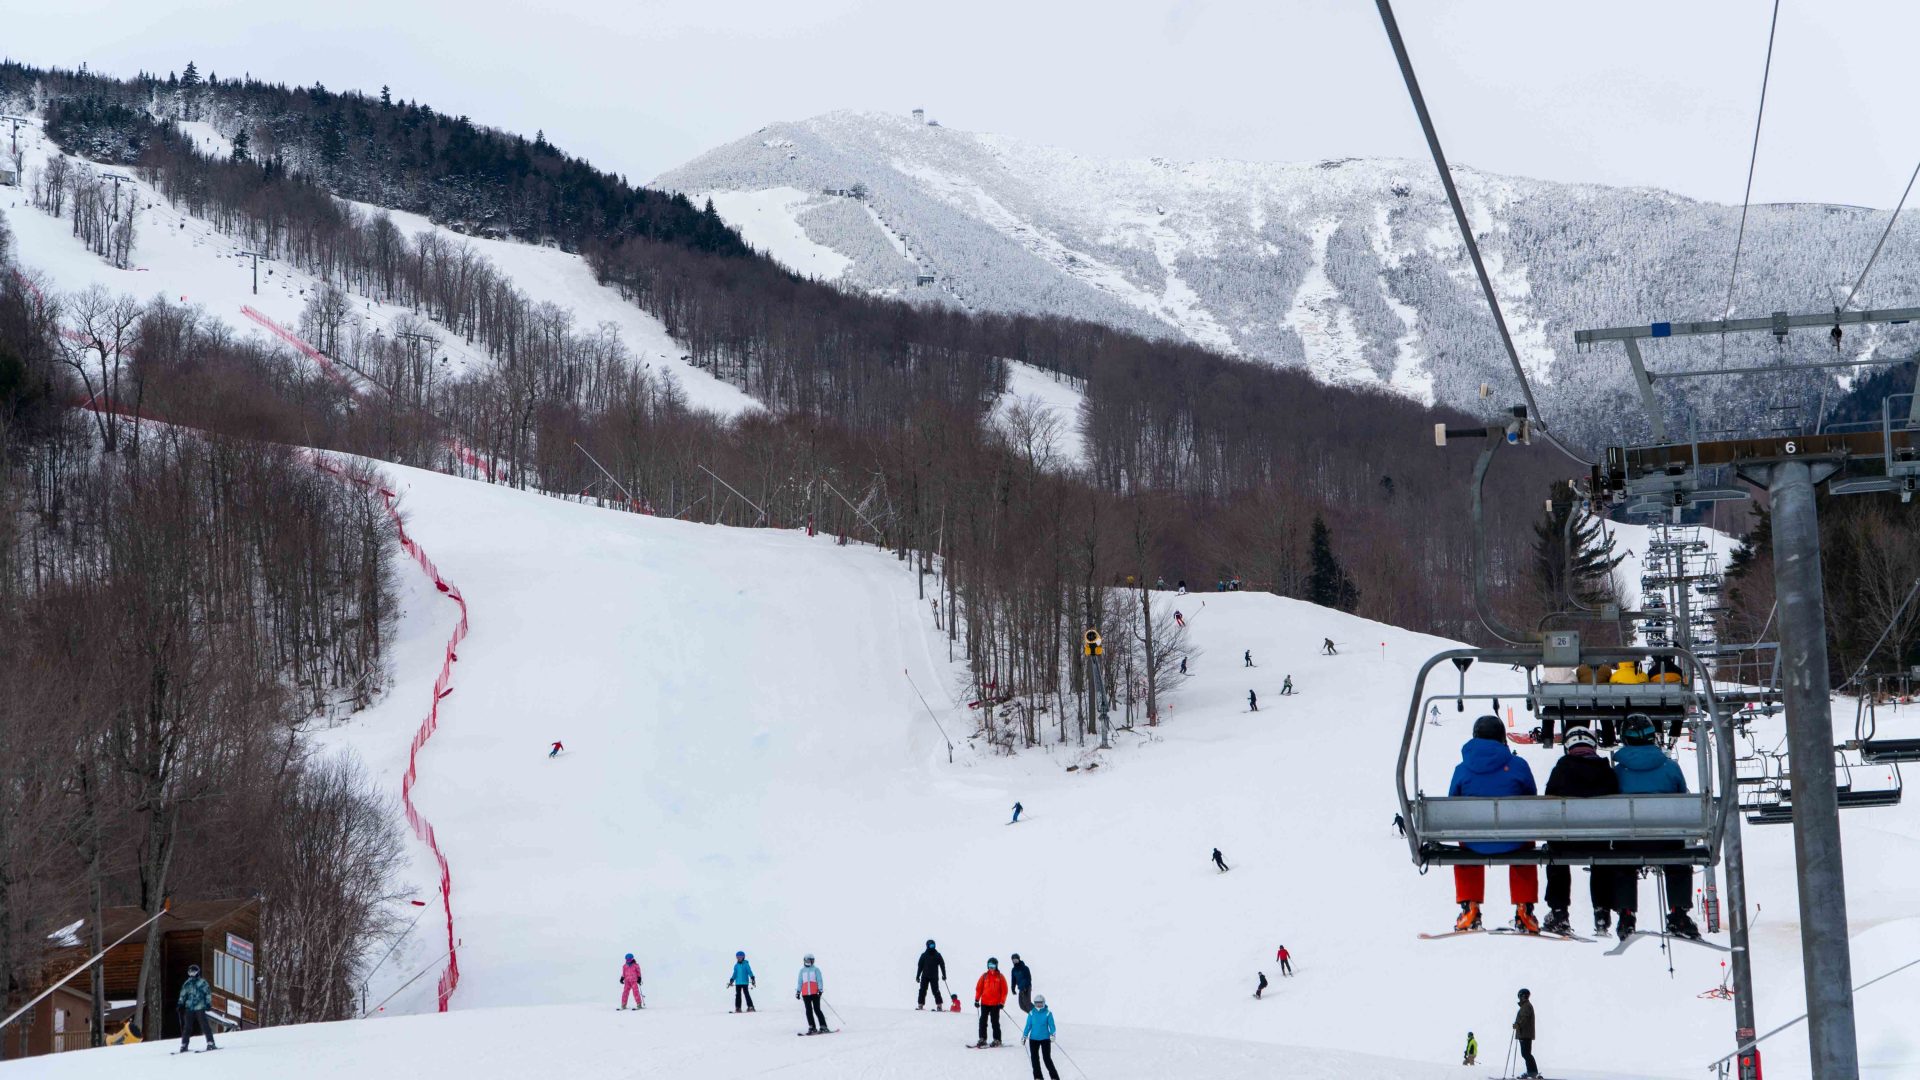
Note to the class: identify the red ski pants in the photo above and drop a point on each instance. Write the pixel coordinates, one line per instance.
(1523, 882)
(629, 988)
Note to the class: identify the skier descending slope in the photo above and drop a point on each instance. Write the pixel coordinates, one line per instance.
(557, 747)
(1488, 769)
(1039, 1038)
(741, 981)
(630, 984)
(1220, 861)
(196, 997)
(931, 969)
(808, 989)
(990, 996)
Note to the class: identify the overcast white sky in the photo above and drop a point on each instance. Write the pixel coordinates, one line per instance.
(1658, 92)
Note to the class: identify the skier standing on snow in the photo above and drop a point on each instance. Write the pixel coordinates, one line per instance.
(990, 996)
(1261, 987)
(742, 981)
(1286, 962)
(196, 997)
(1400, 826)
(808, 989)
(1038, 1036)
(1246, 658)
(555, 752)
(1579, 774)
(1016, 812)
(1023, 983)
(1473, 1050)
(630, 984)
(1523, 1031)
(1183, 665)
(931, 969)
(1286, 688)
(1220, 861)
(1253, 702)
(1488, 769)
(1644, 768)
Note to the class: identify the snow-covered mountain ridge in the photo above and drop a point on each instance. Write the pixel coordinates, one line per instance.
(1350, 268)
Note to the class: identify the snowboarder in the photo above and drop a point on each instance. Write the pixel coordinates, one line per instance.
(1023, 983)
(1261, 987)
(1580, 773)
(808, 989)
(630, 984)
(1179, 620)
(1246, 658)
(1523, 1032)
(990, 996)
(1038, 1035)
(196, 997)
(1643, 768)
(1016, 813)
(1327, 649)
(1473, 1050)
(742, 981)
(931, 969)
(1253, 702)
(1220, 862)
(1400, 825)
(1286, 688)
(553, 753)
(1489, 769)
(1286, 962)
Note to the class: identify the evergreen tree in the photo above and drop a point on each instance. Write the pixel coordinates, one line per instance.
(1582, 569)
(242, 147)
(190, 79)
(386, 97)
(1327, 582)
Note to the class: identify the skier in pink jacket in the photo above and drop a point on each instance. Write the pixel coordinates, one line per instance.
(630, 984)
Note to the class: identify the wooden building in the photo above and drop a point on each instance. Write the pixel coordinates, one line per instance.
(218, 935)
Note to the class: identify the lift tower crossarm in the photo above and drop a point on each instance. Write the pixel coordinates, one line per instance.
(1779, 323)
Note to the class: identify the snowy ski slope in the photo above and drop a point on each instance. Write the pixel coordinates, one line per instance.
(748, 767)
(186, 260)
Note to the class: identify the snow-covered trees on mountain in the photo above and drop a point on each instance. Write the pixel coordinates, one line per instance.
(1349, 269)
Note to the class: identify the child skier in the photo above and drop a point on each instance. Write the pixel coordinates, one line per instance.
(555, 752)
(1262, 987)
(956, 1004)
(808, 989)
(630, 984)
(742, 981)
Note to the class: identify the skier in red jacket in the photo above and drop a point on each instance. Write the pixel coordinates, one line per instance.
(555, 752)
(990, 996)
(1286, 961)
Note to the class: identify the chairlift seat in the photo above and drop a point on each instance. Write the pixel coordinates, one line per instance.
(1442, 823)
(1884, 750)
(1860, 800)
(1612, 699)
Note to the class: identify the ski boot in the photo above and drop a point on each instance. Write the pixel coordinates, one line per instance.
(1524, 921)
(981, 1045)
(1602, 921)
(1557, 923)
(1680, 924)
(1627, 921)
(995, 1042)
(1469, 916)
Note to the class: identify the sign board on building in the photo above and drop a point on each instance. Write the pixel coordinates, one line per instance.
(240, 948)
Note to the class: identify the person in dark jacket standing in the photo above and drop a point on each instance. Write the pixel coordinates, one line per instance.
(196, 997)
(931, 969)
(1253, 702)
(1488, 769)
(1581, 773)
(1523, 1032)
(1023, 983)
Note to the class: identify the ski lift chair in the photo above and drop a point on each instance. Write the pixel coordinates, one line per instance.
(1866, 730)
(1438, 826)
(1604, 706)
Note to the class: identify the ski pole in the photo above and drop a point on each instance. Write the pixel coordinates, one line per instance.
(1507, 1070)
(1070, 1061)
(834, 1011)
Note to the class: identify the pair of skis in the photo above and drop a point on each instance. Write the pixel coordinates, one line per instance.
(1505, 931)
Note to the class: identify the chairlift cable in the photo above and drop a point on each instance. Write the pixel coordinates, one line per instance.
(1753, 159)
(1884, 233)
(1466, 230)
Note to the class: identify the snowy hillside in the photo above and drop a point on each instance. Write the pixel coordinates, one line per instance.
(1350, 268)
(188, 261)
(749, 766)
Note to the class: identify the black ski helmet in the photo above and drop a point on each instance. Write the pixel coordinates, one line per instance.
(1639, 730)
(1525, 993)
(1016, 958)
(929, 943)
(993, 962)
(1490, 727)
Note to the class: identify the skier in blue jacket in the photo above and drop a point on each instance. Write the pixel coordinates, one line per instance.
(1645, 769)
(1038, 1036)
(808, 989)
(1488, 769)
(742, 981)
